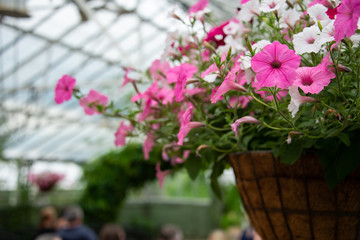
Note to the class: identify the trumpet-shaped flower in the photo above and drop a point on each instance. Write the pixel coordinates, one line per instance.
(318, 13)
(297, 100)
(160, 175)
(121, 133)
(198, 10)
(148, 145)
(217, 35)
(159, 69)
(64, 89)
(228, 84)
(313, 79)
(310, 40)
(346, 22)
(271, 5)
(275, 65)
(93, 101)
(126, 78)
(246, 119)
(249, 10)
(179, 75)
(186, 125)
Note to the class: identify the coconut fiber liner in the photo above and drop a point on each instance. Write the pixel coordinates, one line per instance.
(288, 202)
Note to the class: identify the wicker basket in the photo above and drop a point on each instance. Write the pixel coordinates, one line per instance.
(293, 202)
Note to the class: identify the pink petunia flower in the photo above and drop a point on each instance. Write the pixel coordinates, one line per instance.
(160, 175)
(179, 75)
(198, 10)
(186, 125)
(92, 101)
(148, 145)
(346, 21)
(275, 65)
(126, 78)
(297, 100)
(159, 69)
(313, 79)
(121, 133)
(64, 89)
(246, 119)
(228, 84)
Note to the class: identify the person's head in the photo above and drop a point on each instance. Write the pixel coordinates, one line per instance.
(170, 232)
(48, 217)
(74, 215)
(112, 232)
(217, 235)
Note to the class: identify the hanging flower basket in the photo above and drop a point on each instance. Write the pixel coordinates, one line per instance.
(293, 201)
(45, 181)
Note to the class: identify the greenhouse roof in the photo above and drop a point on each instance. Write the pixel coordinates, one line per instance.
(91, 40)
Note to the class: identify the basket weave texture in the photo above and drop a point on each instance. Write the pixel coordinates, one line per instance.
(293, 202)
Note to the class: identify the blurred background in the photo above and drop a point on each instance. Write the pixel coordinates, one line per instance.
(92, 40)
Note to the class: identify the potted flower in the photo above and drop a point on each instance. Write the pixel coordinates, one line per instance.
(280, 81)
(45, 181)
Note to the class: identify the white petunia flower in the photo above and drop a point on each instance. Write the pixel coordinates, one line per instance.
(355, 39)
(234, 43)
(297, 100)
(210, 78)
(271, 5)
(318, 13)
(310, 40)
(289, 17)
(258, 46)
(249, 10)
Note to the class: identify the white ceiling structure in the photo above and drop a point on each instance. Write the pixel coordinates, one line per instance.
(89, 39)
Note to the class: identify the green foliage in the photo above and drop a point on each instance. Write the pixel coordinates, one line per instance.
(233, 213)
(109, 178)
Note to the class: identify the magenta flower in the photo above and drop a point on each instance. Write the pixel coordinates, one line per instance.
(64, 89)
(186, 125)
(148, 145)
(246, 119)
(160, 175)
(121, 133)
(126, 78)
(275, 65)
(313, 79)
(159, 69)
(347, 19)
(199, 6)
(179, 75)
(92, 101)
(45, 180)
(217, 35)
(228, 84)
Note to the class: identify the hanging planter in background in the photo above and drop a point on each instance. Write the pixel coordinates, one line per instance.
(286, 202)
(14, 8)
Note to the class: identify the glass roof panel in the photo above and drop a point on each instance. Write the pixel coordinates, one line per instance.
(61, 38)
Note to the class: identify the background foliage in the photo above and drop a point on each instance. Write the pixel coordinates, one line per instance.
(110, 177)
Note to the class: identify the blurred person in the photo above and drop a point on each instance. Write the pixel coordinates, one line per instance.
(47, 224)
(112, 232)
(170, 232)
(233, 233)
(217, 234)
(250, 234)
(74, 228)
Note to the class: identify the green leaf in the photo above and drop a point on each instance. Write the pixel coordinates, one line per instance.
(289, 153)
(193, 166)
(344, 138)
(216, 188)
